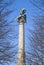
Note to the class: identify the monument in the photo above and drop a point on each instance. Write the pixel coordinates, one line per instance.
(21, 44)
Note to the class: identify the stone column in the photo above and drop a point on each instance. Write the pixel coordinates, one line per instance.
(21, 45)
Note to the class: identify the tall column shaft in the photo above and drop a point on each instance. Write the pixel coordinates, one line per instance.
(21, 36)
(21, 54)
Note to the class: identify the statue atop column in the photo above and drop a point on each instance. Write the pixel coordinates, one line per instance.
(22, 14)
(23, 11)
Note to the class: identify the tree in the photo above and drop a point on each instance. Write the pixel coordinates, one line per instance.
(36, 37)
(6, 53)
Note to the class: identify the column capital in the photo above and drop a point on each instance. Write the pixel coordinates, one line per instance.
(22, 18)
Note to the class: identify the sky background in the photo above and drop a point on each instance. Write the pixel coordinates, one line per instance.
(33, 8)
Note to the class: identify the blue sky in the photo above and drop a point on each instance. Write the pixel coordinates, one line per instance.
(31, 11)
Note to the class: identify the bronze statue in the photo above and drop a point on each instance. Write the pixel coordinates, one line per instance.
(22, 14)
